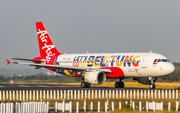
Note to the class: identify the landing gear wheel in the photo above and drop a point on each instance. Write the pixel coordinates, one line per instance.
(88, 85)
(152, 86)
(121, 84)
(117, 85)
(83, 84)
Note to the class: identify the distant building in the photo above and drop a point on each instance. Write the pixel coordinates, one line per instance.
(48, 73)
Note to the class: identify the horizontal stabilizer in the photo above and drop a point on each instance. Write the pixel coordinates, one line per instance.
(37, 61)
(8, 62)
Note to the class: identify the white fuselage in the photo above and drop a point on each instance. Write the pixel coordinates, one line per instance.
(132, 64)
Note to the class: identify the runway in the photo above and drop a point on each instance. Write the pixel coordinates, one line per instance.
(11, 87)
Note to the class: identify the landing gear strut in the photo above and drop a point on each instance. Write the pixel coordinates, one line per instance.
(152, 85)
(85, 85)
(119, 84)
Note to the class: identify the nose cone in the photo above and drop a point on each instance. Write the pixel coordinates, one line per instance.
(170, 68)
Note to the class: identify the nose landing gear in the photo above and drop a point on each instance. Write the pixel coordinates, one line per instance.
(152, 85)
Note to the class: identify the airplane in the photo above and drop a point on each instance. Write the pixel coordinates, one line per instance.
(96, 68)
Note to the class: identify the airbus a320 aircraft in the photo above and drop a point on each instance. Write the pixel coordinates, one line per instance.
(96, 68)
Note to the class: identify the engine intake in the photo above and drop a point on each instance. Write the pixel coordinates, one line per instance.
(95, 77)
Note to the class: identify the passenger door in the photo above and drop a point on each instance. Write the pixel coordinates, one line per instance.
(144, 61)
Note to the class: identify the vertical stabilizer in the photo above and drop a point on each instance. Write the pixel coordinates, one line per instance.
(46, 46)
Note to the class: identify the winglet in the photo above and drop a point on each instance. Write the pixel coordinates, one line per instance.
(8, 62)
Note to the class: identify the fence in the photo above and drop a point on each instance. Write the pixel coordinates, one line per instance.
(83, 95)
(42, 107)
(26, 95)
(26, 107)
(150, 106)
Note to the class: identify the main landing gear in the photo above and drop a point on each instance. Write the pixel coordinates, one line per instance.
(119, 84)
(85, 85)
(152, 85)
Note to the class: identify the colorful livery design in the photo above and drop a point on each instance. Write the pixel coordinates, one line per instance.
(96, 68)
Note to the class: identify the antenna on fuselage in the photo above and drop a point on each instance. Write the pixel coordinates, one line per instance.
(150, 51)
(87, 52)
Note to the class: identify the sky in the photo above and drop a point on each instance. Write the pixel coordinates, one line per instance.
(96, 26)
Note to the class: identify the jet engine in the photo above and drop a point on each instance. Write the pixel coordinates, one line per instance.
(145, 80)
(95, 77)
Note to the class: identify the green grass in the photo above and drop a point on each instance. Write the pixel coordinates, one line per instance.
(159, 85)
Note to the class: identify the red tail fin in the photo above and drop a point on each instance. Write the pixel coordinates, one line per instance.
(46, 46)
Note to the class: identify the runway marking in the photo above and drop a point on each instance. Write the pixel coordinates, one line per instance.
(67, 86)
(25, 86)
(2, 86)
(42, 86)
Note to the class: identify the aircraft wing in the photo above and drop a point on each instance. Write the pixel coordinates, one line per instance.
(76, 69)
(71, 68)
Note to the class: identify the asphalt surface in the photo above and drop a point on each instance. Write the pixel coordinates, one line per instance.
(13, 87)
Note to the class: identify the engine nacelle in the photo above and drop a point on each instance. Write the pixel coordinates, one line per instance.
(95, 77)
(145, 80)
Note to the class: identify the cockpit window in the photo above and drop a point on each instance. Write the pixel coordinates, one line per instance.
(161, 60)
(164, 60)
(155, 60)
